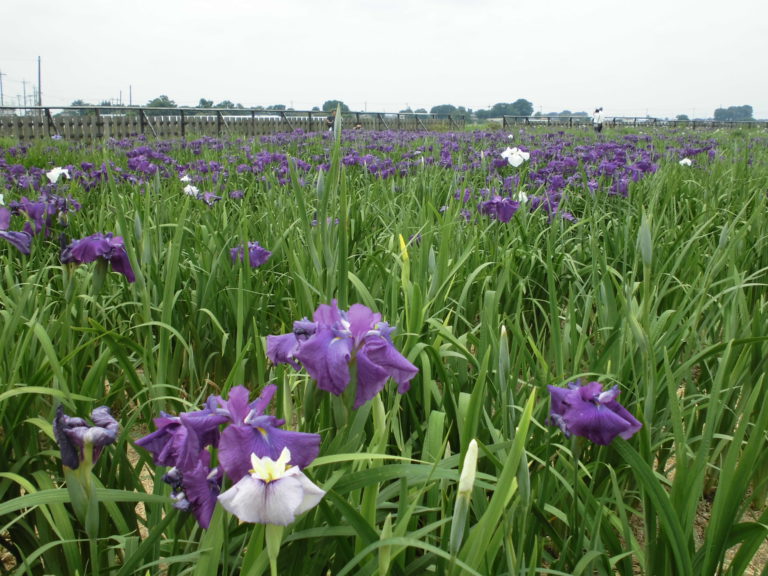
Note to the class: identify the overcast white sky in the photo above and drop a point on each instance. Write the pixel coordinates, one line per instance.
(656, 57)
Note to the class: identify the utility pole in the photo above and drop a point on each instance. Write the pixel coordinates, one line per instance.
(39, 89)
(2, 103)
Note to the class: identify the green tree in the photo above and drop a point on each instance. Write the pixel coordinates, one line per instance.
(682, 117)
(482, 114)
(521, 107)
(444, 110)
(329, 105)
(161, 102)
(227, 104)
(78, 112)
(205, 103)
(501, 109)
(734, 113)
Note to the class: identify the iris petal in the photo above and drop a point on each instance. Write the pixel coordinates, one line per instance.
(590, 412)
(326, 358)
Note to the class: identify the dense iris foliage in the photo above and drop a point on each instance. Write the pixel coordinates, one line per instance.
(495, 265)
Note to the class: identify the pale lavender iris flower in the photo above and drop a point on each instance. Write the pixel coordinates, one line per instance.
(273, 492)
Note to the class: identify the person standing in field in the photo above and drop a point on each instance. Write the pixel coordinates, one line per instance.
(597, 119)
(331, 120)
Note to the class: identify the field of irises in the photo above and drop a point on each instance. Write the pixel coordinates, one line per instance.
(383, 353)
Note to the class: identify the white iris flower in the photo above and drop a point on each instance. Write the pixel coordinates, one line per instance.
(685, 162)
(515, 156)
(273, 493)
(54, 174)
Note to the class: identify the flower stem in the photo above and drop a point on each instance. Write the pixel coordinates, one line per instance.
(274, 537)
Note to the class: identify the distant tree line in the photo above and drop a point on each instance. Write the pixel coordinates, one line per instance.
(520, 107)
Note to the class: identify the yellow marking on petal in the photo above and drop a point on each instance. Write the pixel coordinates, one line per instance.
(268, 470)
(263, 432)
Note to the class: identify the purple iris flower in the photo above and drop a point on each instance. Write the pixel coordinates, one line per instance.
(256, 254)
(21, 240)
(328, 346)
(44, 212)
(500, 208)
(183, 442)
(590, 412)
(100, 246)
(179, 440)
(196, 488)
(76, 437)
(252, 432)
(38, 214)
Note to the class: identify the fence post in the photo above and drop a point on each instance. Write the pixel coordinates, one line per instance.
(50, 123)
(99, 132)
(183, 130)
(285, 118)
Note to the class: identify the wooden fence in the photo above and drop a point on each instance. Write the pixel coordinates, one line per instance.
(634, 121)
(97, 122)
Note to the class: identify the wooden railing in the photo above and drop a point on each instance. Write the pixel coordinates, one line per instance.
(635, 121)
(96, 122)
